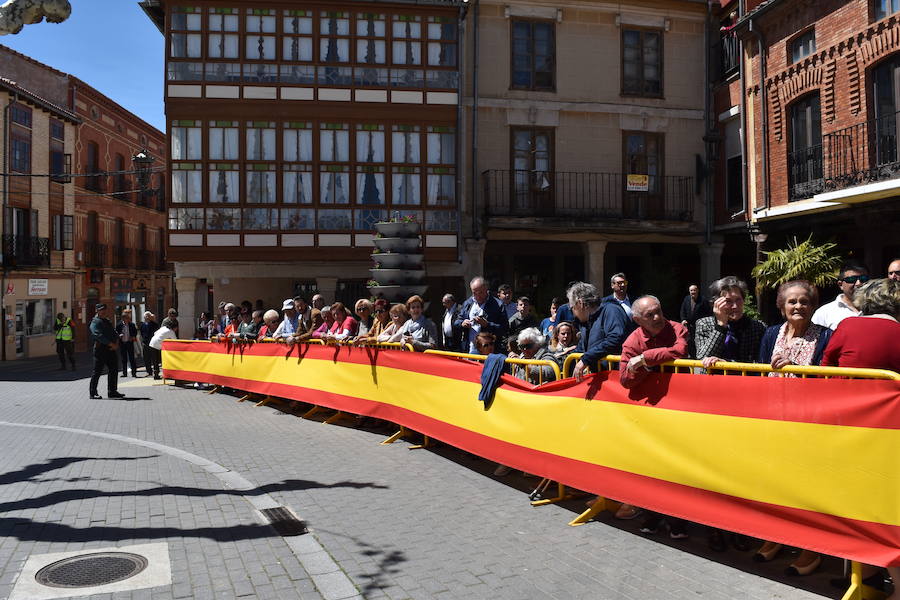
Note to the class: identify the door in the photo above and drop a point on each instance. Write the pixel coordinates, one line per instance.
(805, 157)
(642, 155)
(20, 329)
(883, 136)
(532, 172)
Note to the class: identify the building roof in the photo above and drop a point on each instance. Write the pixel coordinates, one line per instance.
(32, 98)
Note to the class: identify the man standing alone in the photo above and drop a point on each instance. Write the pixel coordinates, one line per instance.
(105, 346)
(65, 340)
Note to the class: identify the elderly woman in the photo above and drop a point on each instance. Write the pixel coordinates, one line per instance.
(327, 323)
(271, 320)
(344, 326)
(363, 311)
(728, 335)
(869, 340)
(399, 316)
(419, 331)
(533, 347)
(382, 319)
(797, 341)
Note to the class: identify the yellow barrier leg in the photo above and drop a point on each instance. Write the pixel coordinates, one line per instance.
(311, 412)
(426, 442)
(858, 590)
(214, 390)
(598, 507)
(265, 401)
(335, 417)
(247, 397)
(396, 436)
(561, 495)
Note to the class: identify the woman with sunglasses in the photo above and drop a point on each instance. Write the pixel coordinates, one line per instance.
(485, 343)
(399, 316)
(382, 319)
(851, 278)
(363, 311)
(533, 346)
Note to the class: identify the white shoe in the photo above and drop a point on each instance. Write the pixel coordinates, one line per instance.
(502, 470)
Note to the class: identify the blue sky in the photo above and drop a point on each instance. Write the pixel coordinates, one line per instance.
(110, 44)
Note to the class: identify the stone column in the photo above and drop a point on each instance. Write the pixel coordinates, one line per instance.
(594, 252)
(327, 286)
(473, 259)
(710, 263)
(187, 306)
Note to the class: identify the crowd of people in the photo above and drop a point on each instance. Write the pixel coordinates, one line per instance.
(859, 328)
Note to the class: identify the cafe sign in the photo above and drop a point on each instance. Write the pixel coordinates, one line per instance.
(120, 284)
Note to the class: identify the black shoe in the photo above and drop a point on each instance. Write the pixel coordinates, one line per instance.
(651, 524)
(96, 396)
(157, 376)
(115, 395)
(677, 530)
(716, 541)
(125, 374)
(134, 374)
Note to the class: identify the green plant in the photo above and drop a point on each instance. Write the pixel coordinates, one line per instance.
(816, 263)
(372, 283)
(750, 308)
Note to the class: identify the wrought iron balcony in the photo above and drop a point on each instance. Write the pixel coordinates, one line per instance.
(142, 259)
(586, 195)
(121, 257)
(22, 251)
(726, 54)
(160, 263)
(863, 153)
(95, 254)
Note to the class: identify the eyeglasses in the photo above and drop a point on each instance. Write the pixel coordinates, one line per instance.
(380, 310)
(527, 346)
(855, 278)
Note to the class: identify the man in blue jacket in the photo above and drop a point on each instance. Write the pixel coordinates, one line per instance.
(480, 314)
(619, 285)
(105, 343)
(604, 326)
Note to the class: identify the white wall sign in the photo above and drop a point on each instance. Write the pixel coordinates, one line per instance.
(37, 287)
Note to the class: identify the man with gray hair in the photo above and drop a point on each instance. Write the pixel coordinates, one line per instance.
(655, 341)
(604, 326)
(480, 314)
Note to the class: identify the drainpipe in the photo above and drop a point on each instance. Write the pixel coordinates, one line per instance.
(764, 114)
(476, 229)
(745, 185)
(708, 125)
(3, 331)
(460, 121)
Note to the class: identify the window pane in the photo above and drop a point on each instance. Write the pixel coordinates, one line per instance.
(297, 25)
(298, 145)
(223, 72)
(298, 49)
(224, 186)
(223, 46)
(405, 147)
(336, 220)
(223, 219)
(405, 187)
(260, 24)
(334, 188)
(186, 186)
(301, 74)
(297, 187)
(370, 188)
(293, 219)
(441, 189)
(407, 52)
(370, 146)
(186, 218)
(370, 51)
(260, 219)
(223, 143)
(261, 47)
(261, 187)
(260, 73)
(260, 143)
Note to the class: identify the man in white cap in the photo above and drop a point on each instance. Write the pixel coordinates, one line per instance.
(289, 325)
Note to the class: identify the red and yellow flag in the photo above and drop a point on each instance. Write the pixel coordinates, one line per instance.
(807, 462)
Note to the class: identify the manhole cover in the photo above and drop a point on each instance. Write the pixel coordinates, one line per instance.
(88, 570)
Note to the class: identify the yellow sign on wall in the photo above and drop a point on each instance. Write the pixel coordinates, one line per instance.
(637, 183)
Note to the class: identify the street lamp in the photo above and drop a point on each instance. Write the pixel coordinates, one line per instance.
(759, 238)
(143, 161)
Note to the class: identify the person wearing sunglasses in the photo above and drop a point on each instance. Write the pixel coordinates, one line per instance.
(363, 311)
(851, 278)
(382, 319)
(533, 346)
(485, 343)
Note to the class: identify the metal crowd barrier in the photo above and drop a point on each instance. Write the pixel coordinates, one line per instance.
(525, 362)
(683, 365)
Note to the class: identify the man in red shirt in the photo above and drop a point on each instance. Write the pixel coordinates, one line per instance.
(655, 341)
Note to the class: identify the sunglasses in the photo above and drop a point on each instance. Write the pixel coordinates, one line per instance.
(380, 310)
(855, 278)
(487, 345)
(894, 273)
(527, 346)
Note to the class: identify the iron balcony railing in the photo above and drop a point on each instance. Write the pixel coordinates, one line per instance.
(863, 153)
(142, 259)
(159, 262)
(727, 55)
(95, 254)
(121, 257)
(586, 195)
(24, 251)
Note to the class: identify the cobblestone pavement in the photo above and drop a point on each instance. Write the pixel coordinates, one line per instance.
(190, 469)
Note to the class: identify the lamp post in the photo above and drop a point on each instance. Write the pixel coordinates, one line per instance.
(143, 161)
(759, 238)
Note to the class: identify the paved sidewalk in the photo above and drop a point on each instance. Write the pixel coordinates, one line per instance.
(385, 522)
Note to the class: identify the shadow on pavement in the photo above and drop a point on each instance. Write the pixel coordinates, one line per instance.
(29, 472)
(387, 562)
(46, 368)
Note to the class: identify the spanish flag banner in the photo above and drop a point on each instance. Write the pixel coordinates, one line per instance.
(807, 462)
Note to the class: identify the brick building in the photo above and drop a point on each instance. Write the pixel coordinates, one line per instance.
(37, 244)
(816, 86)
(114, 227)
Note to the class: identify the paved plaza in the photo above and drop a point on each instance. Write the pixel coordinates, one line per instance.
(189, 472)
